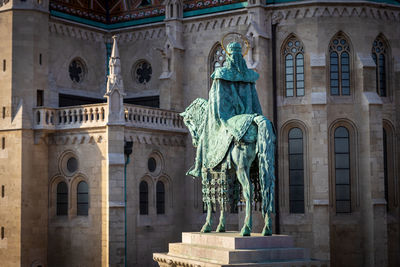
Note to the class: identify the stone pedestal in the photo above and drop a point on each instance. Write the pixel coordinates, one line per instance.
(231, 249)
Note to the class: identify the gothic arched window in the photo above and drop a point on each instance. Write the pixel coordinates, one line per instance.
(379, 50)
(217, 58)
(294, 67)
(339, 68)
(160, 197)
(62, 199)
(82, 202)
(342, 170)
(144, 198)
(296, 170)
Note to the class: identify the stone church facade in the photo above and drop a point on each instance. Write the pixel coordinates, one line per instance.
(92, 169)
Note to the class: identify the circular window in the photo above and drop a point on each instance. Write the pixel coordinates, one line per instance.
(76, 70)
(68, 164)
(152, 164)
(142, 72)
(72, 164)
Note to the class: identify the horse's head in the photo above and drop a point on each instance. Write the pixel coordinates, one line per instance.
(194, 116)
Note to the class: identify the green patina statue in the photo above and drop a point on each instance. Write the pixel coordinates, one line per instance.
(232, 138)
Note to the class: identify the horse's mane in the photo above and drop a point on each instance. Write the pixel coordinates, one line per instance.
(195, 113)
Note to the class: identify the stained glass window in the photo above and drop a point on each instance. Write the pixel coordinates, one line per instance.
(379, 49)
(76, 70)
(83, 199)
(143, 72)
(342, 170)
(218, 59)
(144, 198)
(296, 171)
(294, 67)
(160, 196)
(62, 199)
(339, 60)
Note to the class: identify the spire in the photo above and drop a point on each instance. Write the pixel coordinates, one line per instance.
(115, 52)
(115, 79)
(115, 88)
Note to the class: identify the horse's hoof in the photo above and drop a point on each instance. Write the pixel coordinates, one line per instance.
(266, 232)
(220, 228)
(245, 231)
(206, 228)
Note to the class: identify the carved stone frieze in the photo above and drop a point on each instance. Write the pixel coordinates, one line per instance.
(161, 140)
(76, 32)
(281, 15)
(143, 34)
(68, 139)
(216, 23)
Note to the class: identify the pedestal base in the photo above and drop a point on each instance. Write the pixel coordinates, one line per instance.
(231, 249)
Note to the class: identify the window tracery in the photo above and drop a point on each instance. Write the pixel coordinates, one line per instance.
(160, 197)
(342, 170)
(379, 55)
(339, 60)
(143, 198)
(77, 70)
(296, 170)
(82, 199)
(62, 199)
(218, 58)
(293, 54)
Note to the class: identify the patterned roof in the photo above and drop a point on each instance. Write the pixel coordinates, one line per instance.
(116, 11)
(112, 14)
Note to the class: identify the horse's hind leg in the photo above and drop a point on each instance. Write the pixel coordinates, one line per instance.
(207, 226)
(221, 225)
(244, 179)
(267, 230)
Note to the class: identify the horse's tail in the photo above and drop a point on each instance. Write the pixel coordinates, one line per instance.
(266, 162)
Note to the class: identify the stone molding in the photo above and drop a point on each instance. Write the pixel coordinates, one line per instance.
(281, 15)
(151, 139)
(70, 139)
(144, 34)
(216, 23)
(76, 32)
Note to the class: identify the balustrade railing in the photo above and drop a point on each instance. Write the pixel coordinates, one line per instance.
(96, 115)
(70, 117)
(153, 118)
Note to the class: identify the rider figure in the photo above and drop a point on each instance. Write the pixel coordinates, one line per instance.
(232, 106)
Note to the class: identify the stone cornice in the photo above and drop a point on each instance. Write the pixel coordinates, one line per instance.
(155, 139)
(216, 22)
(77, 32)
(313, 10)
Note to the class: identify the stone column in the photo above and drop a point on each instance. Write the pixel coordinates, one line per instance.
(115, 161)
(259, 56)
(171, 92)
(371, 176)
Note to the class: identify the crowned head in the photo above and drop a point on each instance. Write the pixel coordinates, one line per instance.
(234, 48)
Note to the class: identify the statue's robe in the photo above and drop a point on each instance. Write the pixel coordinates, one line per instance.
(233, 103)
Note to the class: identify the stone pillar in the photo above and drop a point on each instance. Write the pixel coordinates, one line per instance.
(115, 161)
(319, 149)
(371, 174)
(171, 92)
(259, 56)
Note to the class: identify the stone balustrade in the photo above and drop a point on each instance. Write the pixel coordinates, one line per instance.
(153, 118)
(70, 117)
(96, 115)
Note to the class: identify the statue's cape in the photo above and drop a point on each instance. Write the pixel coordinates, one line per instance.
(233, 104)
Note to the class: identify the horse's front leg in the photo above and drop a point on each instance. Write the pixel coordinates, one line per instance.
(207, 226)
(221, 225)
(267, 230)
(244, 179)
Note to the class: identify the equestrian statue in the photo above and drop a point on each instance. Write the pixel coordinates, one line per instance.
(233, 142)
